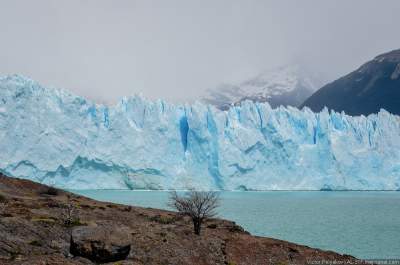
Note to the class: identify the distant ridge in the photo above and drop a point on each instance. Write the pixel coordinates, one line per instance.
(284, 86)
(373, 86)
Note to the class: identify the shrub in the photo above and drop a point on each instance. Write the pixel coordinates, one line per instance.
(44, 219)
(2, 209)
(236, 229)
(15, 253)
(127, 209)
(212, 226)
(86, 206)
(162, 219)
(50, 191)
(74, 222)
(2, 198)
(68, 215)
(35, 243)
(3, 206)
(53, 204)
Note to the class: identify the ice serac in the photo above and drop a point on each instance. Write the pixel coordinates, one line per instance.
(54, 137)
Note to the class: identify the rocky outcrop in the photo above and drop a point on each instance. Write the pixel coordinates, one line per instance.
(101, 243)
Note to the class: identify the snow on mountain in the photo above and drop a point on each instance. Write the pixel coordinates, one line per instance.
(287, 86)
(54, 137)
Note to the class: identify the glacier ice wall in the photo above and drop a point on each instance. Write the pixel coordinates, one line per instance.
(54, 137)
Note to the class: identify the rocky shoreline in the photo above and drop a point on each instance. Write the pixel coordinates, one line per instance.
(43, 225)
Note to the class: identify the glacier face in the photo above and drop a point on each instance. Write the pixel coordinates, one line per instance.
(54, 137)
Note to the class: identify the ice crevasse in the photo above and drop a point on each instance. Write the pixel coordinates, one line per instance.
(54, 137)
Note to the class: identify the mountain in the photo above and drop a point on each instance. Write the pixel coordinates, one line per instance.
(287, 86)
(373, 86)
(57, 138)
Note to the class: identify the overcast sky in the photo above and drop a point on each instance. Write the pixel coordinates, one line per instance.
(176, 49)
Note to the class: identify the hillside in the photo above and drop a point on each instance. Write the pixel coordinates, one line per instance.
(373, 86)
(33, 231)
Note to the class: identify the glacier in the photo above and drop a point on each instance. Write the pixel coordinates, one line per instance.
(57, 138)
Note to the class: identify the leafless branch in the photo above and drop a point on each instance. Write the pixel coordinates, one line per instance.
(197, 205)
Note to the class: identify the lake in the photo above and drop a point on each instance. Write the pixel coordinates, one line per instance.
(363, 224)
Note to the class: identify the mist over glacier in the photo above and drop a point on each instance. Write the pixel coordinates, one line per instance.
(57, 138)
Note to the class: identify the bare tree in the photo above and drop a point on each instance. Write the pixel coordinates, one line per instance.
(197, 205)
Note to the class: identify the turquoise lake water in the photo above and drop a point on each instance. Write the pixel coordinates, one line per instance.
(362, 224)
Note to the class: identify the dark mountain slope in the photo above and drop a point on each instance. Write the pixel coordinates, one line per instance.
(373, 86)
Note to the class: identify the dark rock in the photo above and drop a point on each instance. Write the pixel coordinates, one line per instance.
(212, 226)
(104, 243)
(49, 191)
(234, 228)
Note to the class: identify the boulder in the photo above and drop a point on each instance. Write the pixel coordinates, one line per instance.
(102, 243)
